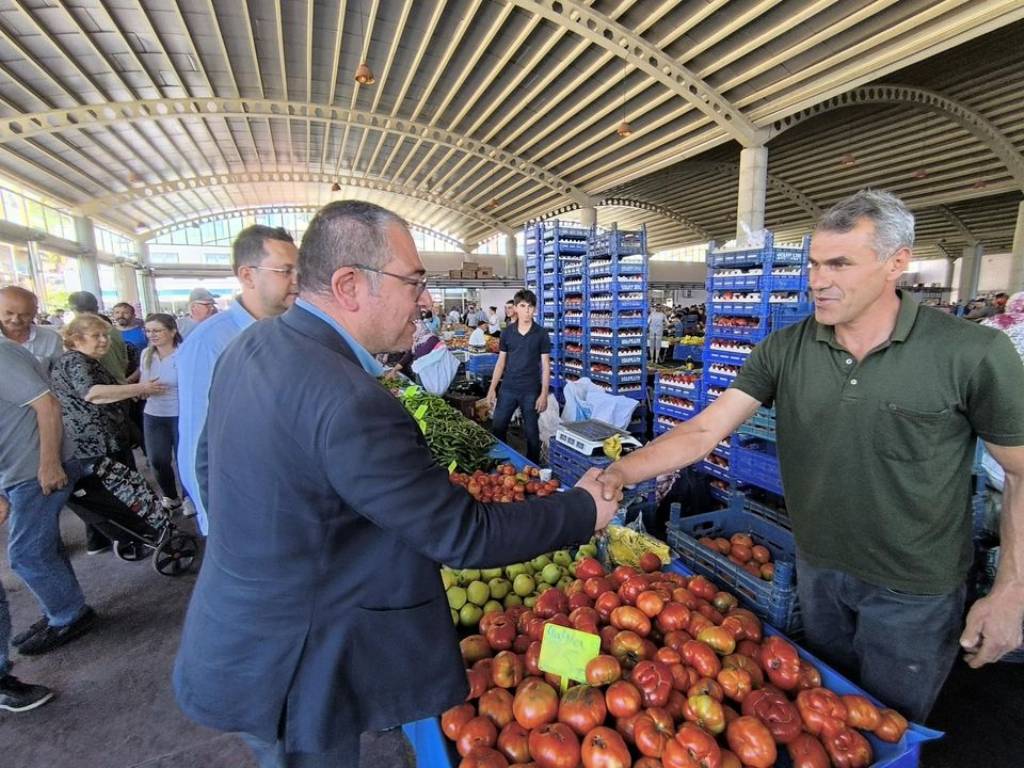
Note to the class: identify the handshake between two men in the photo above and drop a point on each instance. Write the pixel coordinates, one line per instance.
(605, 488)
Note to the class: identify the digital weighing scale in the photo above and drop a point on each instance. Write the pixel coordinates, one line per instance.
(587, 437)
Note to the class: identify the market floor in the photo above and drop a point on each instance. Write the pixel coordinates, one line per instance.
(114, 706)
(115, 709)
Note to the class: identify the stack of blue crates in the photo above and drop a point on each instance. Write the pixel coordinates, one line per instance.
(615, 309)
(751, 292)
(553, 250)
(677, 398)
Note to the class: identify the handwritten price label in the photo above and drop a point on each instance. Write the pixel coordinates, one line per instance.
(566, 652)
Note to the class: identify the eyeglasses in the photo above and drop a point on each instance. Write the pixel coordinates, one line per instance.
(420, 283)
(286, 271)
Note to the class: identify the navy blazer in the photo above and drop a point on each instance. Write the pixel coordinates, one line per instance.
(319, 612)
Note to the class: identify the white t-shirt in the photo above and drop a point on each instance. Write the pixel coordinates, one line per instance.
(454, 317)
(493, 323)
(478, 338)
(45, 344)
(656, 321)
(166, 370)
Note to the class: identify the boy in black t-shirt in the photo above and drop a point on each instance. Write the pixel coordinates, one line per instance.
(524, 361)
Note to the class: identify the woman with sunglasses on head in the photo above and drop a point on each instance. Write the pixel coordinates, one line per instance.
(160, 417)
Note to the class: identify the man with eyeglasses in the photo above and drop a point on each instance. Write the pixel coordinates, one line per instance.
(318, 613)
(265, 261)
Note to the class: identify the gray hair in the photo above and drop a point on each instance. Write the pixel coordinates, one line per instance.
(344, 233)
(247, 250)
(894, 223)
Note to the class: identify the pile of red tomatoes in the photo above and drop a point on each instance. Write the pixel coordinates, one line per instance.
(685, 679)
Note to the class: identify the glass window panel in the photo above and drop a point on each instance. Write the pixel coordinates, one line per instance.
(36, 217)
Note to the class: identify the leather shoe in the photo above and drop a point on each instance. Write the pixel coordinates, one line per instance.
(52, 637)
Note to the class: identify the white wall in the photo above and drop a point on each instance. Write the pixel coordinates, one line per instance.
(995, 272)
(445, 262)
(677, 271)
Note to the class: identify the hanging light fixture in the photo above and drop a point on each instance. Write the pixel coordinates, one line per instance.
(335, 187)
(847, 160)
(624, 129)
(920, 173)
(364, 75)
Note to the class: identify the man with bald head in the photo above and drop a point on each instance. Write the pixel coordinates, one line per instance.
(18, 309)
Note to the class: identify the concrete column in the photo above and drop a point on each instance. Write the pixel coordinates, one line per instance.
(88, 272)
(753, 187)
(947, 281)
(35, 268)
(145, 280)
(588, 216)
(970, 269)
(125, 283)
(1017, 257)
(511, 256)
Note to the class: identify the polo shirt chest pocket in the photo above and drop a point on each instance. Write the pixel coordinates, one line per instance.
(910, 434)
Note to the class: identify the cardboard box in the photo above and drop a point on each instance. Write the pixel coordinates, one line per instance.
(470, 266)
(455, 274)
(485, 272)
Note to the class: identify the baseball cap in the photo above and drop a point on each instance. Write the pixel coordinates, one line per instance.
(201, 296)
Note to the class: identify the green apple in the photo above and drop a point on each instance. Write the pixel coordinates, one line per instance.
(448, 577)
(523, 585)
(586, 550)
(491, 606)
(469, 575)
(499, 588)
(511, 571)
(478, 593)
(456, 597)
(530, 600)
(564, 582)
(490, 573)
(455, 616)
(551, 573)
(470, 615)
(543, 587)
(539, 562)
(562, 557)
(572, 569)
(512, 599)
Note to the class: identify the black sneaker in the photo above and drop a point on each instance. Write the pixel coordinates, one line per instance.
(95, 549)
(35, 629)
(50, 638)
(16, 696)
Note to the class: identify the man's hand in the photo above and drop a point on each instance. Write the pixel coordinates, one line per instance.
(492, 398)
(606, 508)
(993, 628)
(5, 508)
(542, 403)
(51, 478)
(612, 482)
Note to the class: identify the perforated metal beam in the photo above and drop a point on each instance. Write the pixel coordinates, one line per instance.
(968, 119)
(632, 202)
(602, 31)
(151, 191)
(257, 209)
(58, 120)
(732, 171)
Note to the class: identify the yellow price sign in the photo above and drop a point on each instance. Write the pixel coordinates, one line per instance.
(566, 652)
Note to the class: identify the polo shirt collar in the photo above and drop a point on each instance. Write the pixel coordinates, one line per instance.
(239, 314)
(904, 322)
(367, 361)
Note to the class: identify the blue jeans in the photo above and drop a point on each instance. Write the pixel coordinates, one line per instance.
(898, 646)
(5, 633)
(161, 436)
(37, 552)
(272, 755)
(526, 402)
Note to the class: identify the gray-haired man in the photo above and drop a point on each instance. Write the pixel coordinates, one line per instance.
(879, 402)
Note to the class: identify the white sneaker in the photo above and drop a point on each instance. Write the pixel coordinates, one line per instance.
(188, 509)
(169, 504)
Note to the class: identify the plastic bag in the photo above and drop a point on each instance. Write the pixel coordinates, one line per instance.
(436, 370)
(585, 400)
(548, 421)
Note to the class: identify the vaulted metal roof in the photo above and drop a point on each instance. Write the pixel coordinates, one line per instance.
(487, 113)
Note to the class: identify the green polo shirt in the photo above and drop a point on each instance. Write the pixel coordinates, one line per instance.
(876, 456)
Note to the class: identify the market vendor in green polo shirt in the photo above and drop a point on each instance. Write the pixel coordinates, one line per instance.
(879, 402)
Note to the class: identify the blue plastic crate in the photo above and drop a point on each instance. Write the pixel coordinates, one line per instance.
(712, 356)
(617, 377)
(722, 473)
(761, 424)
(685, 352)
(733, 282)
(481, 365)
(774, 601)
(754, 463)
(719, 495)
(665, 409)
(616, 322)
(614, 357)
(570, 465)
(737, 308)
(752, 334)
(675, 389)
(599, 266)
(607, 302)
(782, 315)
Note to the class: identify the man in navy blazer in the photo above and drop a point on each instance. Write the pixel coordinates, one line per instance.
(319, 612)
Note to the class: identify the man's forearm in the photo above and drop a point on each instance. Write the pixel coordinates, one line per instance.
(1010, 576)
(499, 369)
(51, 430)
(684, 445)
(545, 377)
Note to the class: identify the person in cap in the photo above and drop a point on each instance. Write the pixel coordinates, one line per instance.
(202, 305)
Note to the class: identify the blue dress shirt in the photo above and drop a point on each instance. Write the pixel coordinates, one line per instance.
(366, 360)
(195, 360)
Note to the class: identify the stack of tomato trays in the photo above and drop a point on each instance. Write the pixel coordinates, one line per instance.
(684, 679)
(676, 398)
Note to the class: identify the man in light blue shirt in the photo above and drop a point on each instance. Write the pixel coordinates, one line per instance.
(265, 261)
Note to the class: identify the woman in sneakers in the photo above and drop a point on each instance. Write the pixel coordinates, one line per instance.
(160, 417)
